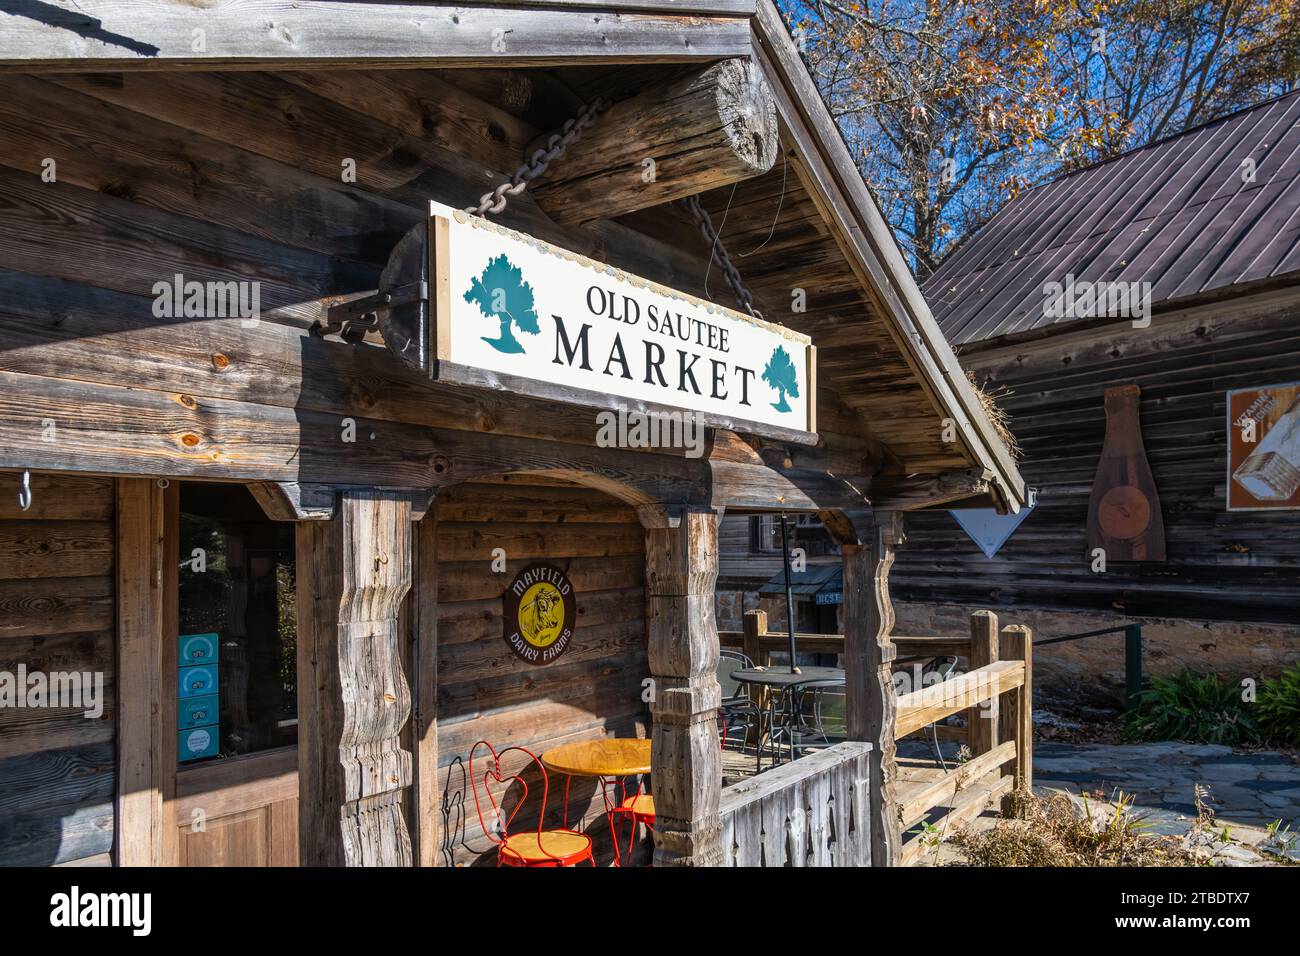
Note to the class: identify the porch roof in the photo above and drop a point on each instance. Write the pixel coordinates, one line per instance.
(810, 223)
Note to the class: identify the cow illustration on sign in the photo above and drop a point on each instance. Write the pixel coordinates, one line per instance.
(501, 293)
(782, 376)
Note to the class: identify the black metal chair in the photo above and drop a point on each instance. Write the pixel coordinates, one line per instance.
(738, 712)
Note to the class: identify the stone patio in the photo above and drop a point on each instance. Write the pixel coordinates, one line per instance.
(1245, 788)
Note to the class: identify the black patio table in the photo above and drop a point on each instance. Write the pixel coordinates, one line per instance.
(781, 679)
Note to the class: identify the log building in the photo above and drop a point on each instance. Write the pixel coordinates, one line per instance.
(1205, 228)
(301, 492)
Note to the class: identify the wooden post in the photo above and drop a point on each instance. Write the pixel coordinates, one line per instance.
(353, 698)
(686, 761)
(755, 626)
(1017, 718)
(428, 811)
(982, 725)
(700, 132)
(146, 668)
(868, 665)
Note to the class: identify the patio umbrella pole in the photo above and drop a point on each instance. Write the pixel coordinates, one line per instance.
(789, 594)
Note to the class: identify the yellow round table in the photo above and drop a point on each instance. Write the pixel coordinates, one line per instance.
(610, 757)
(607, 759)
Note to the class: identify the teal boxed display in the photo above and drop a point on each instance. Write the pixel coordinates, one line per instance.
(197, 649)
(196, 711)
(198, 681)
(197, 742)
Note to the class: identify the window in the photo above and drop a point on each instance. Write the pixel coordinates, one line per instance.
(805, 532)
(237, 679)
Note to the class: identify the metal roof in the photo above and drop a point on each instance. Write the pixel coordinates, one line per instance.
(1212, 207)
(810, 581)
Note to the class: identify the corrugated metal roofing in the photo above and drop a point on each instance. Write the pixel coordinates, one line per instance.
(1182, 214)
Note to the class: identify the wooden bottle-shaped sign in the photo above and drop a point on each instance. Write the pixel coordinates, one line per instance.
(1124, 510)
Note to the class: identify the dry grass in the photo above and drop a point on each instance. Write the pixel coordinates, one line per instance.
(997, 415)
(1055, 831)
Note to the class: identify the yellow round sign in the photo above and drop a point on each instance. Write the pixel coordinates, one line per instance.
(539, 613)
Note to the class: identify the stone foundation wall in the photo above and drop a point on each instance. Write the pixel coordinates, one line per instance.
(1096, 664)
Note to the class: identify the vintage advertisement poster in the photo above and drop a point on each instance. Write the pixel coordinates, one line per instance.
(1264, 448)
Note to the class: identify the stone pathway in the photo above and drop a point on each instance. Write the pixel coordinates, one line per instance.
(1245, 788)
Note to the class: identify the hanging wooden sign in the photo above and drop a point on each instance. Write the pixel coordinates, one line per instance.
(508, 311)
(1124, 517)
(1264, 448)
(540, 612)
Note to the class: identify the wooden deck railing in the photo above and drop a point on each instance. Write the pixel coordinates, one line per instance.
(813, 811)
(994, 694)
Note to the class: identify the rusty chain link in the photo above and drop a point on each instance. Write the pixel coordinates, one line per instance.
(719, 254)
(556, 144)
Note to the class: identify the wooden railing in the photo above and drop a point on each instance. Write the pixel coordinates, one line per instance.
(813, 811)
(994, 694)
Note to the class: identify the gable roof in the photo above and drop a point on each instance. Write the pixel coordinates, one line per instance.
(884, 355)
(1184, 214)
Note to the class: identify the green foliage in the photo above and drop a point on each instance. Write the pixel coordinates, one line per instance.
(782, 376)
(1194, 707)
(1278, 708)
(501, 293)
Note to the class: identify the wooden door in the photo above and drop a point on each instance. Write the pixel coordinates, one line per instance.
(239, 812)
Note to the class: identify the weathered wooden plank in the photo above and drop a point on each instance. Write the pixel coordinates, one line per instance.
(104, 147)
(46, 838)
(982, 720)
(49, 549)
(145, 747)
(56, 606)
(928, 704)
(57, 498)
(424, 710)
(137, 34)
(915, 800)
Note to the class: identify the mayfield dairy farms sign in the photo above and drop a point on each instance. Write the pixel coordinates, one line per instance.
(540, 612)
(529, 312)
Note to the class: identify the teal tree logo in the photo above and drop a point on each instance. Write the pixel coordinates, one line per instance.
(782, 376)
(501, 293)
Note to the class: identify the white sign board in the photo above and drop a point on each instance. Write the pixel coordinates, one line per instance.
(530, 312)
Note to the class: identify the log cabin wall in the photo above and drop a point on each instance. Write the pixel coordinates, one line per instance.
(57, 609)
(487, 693)
(1228, 595)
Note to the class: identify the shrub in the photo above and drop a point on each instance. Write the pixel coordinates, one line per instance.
(1194, 707)
(1058, 831)
(1278, 708)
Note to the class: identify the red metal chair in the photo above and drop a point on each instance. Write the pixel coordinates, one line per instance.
(540, 847)
(639, 808)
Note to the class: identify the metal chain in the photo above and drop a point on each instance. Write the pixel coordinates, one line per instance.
(556, 144)
(719, 254)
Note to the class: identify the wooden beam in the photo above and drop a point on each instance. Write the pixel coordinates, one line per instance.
(424, 622)
(146, 677)
(686, 762)
(868, 664)
(924, 706)
(103, 35)
(699, 132)
(910, 492)
(918, 799)
(981, 720)
(836, 185)
(1017, 719)
(353, 698)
